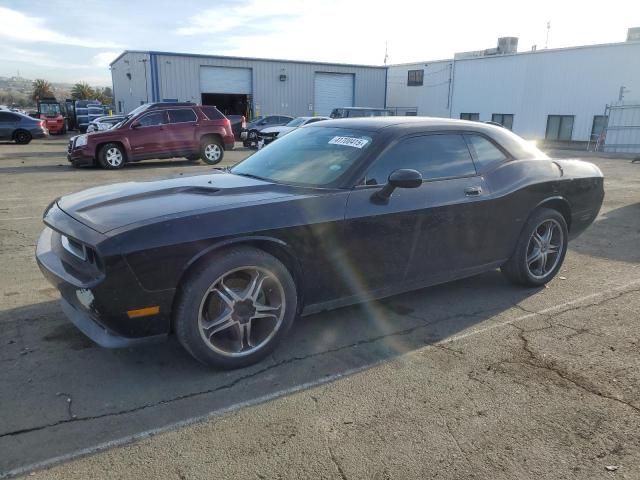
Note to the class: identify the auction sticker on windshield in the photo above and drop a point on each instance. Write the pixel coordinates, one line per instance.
(349, 141)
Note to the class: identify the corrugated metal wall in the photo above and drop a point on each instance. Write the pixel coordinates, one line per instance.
(129, 92)
(574, 81)
(179, 78)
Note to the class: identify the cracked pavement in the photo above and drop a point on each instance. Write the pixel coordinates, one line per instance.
(473, 379)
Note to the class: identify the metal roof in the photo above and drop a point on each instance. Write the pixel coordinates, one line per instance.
(198, 55)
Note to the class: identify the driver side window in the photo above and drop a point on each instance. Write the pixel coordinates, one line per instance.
(434, 156)
(152, 119)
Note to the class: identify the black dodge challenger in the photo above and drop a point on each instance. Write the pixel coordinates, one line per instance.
(338, 212)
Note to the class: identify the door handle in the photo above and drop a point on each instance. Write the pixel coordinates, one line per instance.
(472, 191)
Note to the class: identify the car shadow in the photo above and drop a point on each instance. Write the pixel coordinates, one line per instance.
(116, 393)
(613, 236)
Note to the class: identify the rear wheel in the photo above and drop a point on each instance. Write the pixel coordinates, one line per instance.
(22, 137)
(211, 151)
(111, 156)
(540, 251)
(235, 308)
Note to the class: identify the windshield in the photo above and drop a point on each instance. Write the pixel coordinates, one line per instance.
(50, 109)
(307, 156)
(296, 122)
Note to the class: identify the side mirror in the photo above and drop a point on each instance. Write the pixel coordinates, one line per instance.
(401, 178)
(135, 125)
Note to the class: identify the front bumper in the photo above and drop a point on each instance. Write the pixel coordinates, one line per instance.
(96, 304)
(79, 155)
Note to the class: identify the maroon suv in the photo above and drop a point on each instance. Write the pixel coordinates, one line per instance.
(156, 130)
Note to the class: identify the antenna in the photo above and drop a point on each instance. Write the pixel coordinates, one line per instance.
(546, 43)
(386, 51)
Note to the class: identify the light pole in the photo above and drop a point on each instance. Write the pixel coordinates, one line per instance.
(146, 84)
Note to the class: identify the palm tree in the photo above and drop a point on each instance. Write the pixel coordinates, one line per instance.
(41, 89)
(82, 91)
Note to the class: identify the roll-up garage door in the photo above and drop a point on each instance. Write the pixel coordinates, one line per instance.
(225, 80)
(332, 90)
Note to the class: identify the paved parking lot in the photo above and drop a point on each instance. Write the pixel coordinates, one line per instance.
(474, 379)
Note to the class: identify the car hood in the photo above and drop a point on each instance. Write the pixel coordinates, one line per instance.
(111, 207)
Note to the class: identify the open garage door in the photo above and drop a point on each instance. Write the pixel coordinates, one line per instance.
(228, 88)
(332, 90)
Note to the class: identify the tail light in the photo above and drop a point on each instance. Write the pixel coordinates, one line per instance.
(227, 123)
(244, 123)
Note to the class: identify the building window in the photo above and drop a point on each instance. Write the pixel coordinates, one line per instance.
(599, 122)
(474, 117)
(559, 127)
(415, 78)
(504, 119)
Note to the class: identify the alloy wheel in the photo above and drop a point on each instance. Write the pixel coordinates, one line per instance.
(114, 157)
(212, 152)
(545, 248)
(241, 311)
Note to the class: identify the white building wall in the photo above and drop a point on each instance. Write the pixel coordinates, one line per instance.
(130, 88)
(578, 81)
(431, 99)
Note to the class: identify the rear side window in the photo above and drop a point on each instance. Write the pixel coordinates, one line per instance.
(182, 116)
(486, 152)
(434, 156)
(212, 113)
(8, 117)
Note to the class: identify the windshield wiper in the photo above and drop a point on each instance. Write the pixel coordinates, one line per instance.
(250, 175)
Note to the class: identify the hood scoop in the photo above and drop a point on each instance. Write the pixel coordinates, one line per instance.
(150, 195)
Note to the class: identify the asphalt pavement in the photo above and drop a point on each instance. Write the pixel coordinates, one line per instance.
(473, 379)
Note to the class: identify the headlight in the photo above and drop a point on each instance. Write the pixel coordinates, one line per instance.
(81, 141)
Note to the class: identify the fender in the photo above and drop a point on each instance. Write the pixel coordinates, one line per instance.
(273, 245)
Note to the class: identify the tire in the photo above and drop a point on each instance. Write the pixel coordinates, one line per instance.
(64, 128)
(22, 137)
(112, 156)
(211, 151)
(527, 266)
(228, 342)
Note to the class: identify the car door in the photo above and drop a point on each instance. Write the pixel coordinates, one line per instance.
(146, 136)
(8, 123)
(180, 130)
(447, 208)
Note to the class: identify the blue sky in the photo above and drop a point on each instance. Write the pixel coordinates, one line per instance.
(71, 41)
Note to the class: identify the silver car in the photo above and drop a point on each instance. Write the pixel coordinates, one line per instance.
(104, 123)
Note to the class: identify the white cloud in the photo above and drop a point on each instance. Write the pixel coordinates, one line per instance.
(103, 59)
(23, 28)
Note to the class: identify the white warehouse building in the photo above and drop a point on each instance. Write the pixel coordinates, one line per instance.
(552, 94)
(555, 94)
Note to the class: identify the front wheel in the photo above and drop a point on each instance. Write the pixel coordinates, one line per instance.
(540, 250)
(211, 151)
(111, 156)
(235, 308)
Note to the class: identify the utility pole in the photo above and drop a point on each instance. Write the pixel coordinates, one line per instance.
(546, 43)
(386, 52)
(621, 93)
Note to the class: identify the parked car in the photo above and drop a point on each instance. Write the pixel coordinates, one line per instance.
(238, 124)
(269, 134)
(104, 123)
(156, 130)
(335, 213)
(21, 128)
(249, 135)
(358, 112)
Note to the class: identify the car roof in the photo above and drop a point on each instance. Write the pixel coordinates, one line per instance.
(375, 124)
